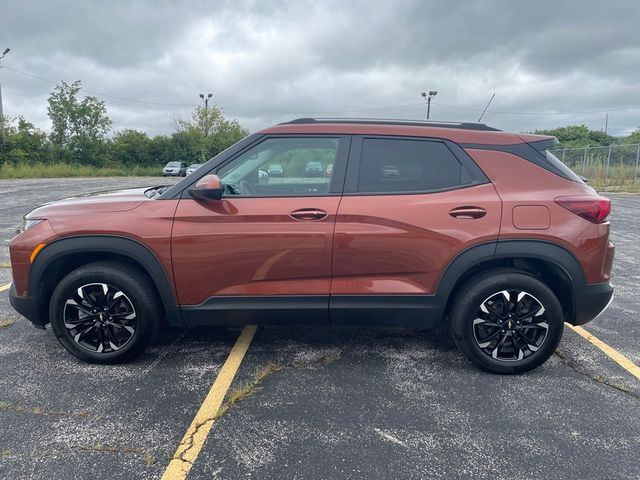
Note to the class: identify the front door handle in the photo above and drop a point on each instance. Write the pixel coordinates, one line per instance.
(468, 212)
(308, 214)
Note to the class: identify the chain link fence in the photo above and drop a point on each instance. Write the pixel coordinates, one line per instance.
(612, 165)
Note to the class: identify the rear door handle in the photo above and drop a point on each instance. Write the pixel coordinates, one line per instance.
(308, 214)
(468, 212)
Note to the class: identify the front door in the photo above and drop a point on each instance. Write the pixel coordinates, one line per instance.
(263, 252)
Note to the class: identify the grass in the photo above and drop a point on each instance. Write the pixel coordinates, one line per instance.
(58, 170)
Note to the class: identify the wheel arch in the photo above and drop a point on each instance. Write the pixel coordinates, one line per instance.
(556, 266)
(64, 255)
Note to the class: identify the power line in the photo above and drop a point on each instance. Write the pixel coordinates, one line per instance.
(305, 112)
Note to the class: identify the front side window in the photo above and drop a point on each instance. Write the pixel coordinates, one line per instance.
(282, 167)
(399, 165)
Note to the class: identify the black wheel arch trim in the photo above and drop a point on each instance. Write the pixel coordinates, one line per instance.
(100, 244)
(505, 249)
(546, 251)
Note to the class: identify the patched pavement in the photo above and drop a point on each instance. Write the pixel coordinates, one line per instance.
(320, 402)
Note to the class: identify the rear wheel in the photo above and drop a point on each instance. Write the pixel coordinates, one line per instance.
(507, 321)
(105, 312)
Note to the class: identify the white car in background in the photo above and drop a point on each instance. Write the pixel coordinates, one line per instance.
(193, 167)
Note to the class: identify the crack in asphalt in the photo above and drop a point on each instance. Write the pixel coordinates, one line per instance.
(38, 410)
(246, 391)
(596, 378)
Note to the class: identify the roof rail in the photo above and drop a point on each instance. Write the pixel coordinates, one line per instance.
(383, 121)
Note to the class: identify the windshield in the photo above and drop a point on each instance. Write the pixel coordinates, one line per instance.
(173, 164)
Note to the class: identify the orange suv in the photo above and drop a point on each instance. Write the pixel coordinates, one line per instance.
(418, 224)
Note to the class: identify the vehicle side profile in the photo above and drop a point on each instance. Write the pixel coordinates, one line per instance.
(417, 224)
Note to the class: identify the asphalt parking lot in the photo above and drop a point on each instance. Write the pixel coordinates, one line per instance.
(320, 402)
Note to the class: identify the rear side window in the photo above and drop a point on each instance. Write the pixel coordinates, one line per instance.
(408, 165)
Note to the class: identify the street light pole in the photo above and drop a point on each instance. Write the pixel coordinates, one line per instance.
(206, 112)
(432, 93)
(7, 50)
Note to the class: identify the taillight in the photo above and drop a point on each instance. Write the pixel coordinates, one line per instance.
(596, 209)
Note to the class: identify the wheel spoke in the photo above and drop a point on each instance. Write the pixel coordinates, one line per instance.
(496, 350)
(487, 340)
(79, 335)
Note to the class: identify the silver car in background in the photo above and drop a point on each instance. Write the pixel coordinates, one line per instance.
(175, 169)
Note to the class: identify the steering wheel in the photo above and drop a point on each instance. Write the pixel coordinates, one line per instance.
(246, 188)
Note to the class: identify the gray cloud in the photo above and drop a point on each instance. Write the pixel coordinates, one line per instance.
(269, 61)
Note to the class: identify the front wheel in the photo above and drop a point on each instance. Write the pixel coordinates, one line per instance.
(507, 321)
(105, 312)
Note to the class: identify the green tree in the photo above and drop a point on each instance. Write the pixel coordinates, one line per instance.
(573, 136)
(206, 134)
(78, 127)
(131, 148)
(23, 142)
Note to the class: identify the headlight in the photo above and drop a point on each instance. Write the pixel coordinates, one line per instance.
(27, 223)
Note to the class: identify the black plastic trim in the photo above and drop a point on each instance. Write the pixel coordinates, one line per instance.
(543, 250)
(123, 246)
(413, 310)
(27, 307)
(242, 310)
(591, 301)
(413, 123)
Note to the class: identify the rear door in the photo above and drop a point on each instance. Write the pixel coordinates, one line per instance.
(263, 252)
(410, 205)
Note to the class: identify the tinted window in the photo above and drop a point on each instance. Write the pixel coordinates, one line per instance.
(282, 167)
(397, 165)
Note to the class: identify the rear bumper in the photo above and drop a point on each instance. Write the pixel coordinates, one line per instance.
(27, 307)
(591, 301)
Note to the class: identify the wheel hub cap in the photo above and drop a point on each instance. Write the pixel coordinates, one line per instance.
(100, 317)
(510, 325)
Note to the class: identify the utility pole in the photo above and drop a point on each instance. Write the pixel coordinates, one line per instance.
(7, 50)
(206, 112)
(432, 93)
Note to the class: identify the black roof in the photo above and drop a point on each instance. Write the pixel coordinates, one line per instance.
(383, 121)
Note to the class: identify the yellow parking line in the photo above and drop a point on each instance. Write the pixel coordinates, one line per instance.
(193, 440)
(611, 352)
(5, 287)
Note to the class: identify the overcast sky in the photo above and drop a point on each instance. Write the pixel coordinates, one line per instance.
(550, 63)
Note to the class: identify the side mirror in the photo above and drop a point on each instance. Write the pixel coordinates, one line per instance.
(208, 187)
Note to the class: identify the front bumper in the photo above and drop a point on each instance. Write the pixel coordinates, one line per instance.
(27, 307)
(591, 301)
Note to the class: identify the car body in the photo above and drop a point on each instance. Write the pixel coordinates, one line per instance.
(475, 229)
(175, 169)
(275, 170)
(193, 167)
(314, 169)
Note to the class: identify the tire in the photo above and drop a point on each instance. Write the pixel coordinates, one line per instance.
(95, 335)
(511, 305)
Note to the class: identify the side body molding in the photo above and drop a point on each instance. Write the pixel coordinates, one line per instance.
(100, 244)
